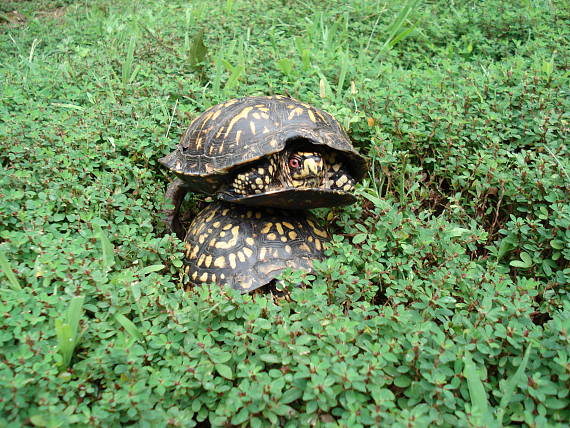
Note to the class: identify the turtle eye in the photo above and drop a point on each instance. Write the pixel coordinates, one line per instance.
(294, 163)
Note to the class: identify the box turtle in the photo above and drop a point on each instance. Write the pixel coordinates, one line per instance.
(247, 247)
(266, 151)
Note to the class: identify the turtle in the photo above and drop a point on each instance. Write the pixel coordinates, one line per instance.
(266, 151)
(246, 248)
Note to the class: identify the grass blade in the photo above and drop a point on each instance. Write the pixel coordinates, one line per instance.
(197, 51)
(66, 331)
(479, 401)
(7, 269)
(129, 326)
(511, 384)
(106, 247)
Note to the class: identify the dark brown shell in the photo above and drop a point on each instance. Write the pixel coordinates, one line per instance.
(245, 248)
(243, 130)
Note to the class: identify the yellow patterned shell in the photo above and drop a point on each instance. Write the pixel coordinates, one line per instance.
(245, 247)
(243, 130)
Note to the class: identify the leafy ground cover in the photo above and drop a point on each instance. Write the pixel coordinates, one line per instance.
(445, 299)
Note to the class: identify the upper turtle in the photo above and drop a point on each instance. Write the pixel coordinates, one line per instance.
(268, 150)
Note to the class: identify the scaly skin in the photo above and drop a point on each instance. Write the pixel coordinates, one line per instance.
(175, 193)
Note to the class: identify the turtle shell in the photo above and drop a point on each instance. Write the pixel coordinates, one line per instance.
(245, 248)
(241, 131)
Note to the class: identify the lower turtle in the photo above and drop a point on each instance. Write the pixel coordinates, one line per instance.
(246, 248)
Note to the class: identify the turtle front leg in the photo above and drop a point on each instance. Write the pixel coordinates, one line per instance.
(175, 193)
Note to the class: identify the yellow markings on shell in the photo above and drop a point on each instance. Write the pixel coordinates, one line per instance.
(220, 262)
(241, 256)
(288, 249)
(259, 181)
(267, 179)
(220, 132)
(227, 226)
(252, 127)
(230, 102)
(320, 232)
(271, 236)
(264, 115)
(222, 234)
(262, 253)
(216, 114)
(295, 112)
(225, 211)
(264, 109)
(223, 276)
(258, 215)
(242, 115)
(279, 227)
(249, 214)
(256, 116)
(273, 143)
(238, 135)
(194, 275)
(288, 225)
(267, 227)
(201, 260)
(292, 235)
(199, 142)
(210, 216)
(321, 115)
(250, 241)
(204, 277)
(348, 187)
(216, 224)
(310, 239)
(260, 171)
(265, 130)
(221, 147)
(312, 116)
(341, 180)
(276, 253)
(213, 279)
(232, 242)
(318, 244)
(212, 242)
(186, 270)
(232, 259)
(208, 261)
(283, 239)
(248, 251)
(194, 252)
(202, 238)
(305, 247)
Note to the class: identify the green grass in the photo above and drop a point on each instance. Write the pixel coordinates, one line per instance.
(445, 297)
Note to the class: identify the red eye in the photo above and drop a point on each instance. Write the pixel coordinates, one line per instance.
(294, 163)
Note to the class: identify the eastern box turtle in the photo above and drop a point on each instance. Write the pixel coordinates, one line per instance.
(247, 247)
(266, 151)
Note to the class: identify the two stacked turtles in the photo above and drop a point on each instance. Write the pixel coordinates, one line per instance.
(266, 160)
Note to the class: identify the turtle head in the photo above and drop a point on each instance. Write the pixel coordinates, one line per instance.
(304, 169)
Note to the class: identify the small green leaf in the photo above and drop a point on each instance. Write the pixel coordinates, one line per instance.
(525, 262)
(224, 371)
(270, 358)
(220, 357)
(359, 238)
(291, 395)
(402, 381)
(557, 244)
